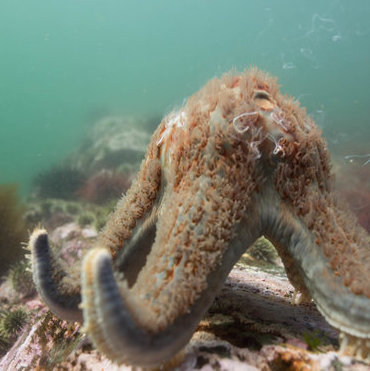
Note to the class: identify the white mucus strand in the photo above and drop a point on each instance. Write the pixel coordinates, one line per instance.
(278, 148)
(278, 117)
(241, 126)
(354, 158)
(174, 120)
(254, 148)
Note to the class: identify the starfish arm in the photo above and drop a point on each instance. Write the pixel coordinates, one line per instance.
(113, 327)
(337, 282)
(133, 256)
(47, 276)
(239, 160)
(282, 230)
(137, 207)
(148, 323)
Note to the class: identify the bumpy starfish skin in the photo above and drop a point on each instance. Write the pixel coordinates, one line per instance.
(238, 161)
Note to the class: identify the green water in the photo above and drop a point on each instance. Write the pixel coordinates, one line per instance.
(62, 63)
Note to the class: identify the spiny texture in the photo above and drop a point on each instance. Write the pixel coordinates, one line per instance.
(238, 161)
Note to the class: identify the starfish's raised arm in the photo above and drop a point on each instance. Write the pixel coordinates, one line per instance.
(48, 274)
(196, 245)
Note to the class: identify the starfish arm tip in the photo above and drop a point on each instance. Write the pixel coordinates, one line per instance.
(64, 305)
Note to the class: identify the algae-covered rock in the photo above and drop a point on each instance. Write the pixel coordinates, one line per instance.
(61, 181)
(113, 142)
(252, 325)
(20, 278)
(13, 229)
(263, 250)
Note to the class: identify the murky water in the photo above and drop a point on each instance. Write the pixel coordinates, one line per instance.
(65, 63)
(83, 83)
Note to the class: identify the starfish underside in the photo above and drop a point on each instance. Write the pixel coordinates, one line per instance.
(238, 161)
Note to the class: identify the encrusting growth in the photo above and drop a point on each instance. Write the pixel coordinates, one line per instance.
(238, 161)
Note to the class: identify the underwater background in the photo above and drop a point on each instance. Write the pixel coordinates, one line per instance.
(65, 64)
(83, 85)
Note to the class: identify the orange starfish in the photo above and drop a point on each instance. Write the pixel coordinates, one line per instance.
(238, 161)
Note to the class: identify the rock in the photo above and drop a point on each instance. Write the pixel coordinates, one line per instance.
(113, 142)
(71, 240)
(251, 326)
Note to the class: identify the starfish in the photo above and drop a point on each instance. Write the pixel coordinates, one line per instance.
(239, 160)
